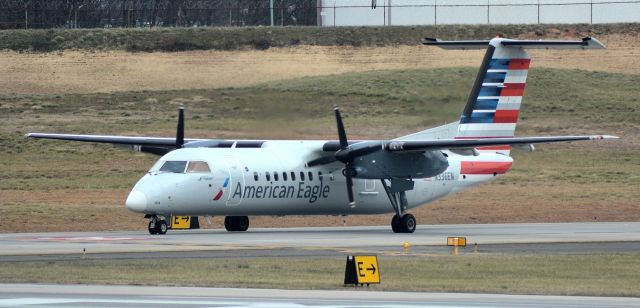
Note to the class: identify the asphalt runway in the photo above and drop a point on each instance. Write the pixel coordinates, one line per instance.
(41, 295)
(553, 237)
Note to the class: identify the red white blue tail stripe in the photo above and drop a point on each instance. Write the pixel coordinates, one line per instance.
(494, 104)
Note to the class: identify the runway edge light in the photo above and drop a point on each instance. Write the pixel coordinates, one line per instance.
(361, 270)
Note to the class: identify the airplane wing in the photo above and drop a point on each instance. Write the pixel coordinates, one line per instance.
(443, 144)
(152, 145)
(126, 140)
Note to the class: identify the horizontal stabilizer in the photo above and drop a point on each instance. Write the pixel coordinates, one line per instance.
(585, 43)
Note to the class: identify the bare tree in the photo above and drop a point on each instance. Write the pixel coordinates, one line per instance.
(152, 13)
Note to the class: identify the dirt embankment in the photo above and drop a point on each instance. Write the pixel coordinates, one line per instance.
(86, 72)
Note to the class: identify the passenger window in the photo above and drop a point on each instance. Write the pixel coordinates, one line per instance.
(293, 176)
(310, 176)
(320, 175)
(284, 176)
(301, 176)
(198, 167)
(275, 176)
(331, 176)
(255, 176)
(173, 166)
(268, 176)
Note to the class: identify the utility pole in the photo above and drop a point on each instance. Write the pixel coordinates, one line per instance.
(271, 9)
(26, 15)
(488, 12)
(76, 16)
(435, 12)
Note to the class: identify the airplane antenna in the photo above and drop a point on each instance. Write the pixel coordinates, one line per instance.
(180, 129)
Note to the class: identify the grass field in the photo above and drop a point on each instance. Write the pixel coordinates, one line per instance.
(48, 185)
(580, 274)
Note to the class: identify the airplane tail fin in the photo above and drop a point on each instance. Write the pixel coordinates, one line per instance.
(493, 106)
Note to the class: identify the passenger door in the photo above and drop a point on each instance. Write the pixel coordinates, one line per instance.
(236, 177)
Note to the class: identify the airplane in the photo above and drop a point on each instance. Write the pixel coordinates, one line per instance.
(242, 178)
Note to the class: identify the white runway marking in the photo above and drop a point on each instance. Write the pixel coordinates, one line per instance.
(102, 302)
(92, 238)
(42, 295)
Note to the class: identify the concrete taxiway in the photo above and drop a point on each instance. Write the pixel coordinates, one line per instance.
(41, 295)
(358, 238)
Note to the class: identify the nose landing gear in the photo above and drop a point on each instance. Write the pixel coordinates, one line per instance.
(157, 225)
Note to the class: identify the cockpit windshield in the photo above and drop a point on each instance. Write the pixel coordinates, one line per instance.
(198, 167)
(173, 166)
(182, 166)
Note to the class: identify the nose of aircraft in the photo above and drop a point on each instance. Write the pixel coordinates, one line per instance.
(137, 201)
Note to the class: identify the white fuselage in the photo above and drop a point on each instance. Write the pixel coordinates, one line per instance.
(238, 184)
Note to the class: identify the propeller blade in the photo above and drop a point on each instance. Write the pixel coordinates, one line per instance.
(321, 161)
(352, 202)
(180, 129)
(342, 135)
(344, 156)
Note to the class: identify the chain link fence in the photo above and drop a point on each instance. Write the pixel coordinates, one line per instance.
(450, 12)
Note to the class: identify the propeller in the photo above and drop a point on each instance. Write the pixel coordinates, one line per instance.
(323, 160)
(345, 156)
(180, 129)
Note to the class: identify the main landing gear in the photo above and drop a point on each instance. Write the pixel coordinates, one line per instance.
(236, 223)
(402, 222)
(157, 225)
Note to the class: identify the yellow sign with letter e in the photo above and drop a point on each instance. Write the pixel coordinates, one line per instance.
(457, 241)
(362, 270)
(181, 222)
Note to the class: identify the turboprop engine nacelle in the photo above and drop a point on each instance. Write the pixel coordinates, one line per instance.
(384, 165)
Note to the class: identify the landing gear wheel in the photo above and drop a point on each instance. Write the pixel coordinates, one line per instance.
(243, 223)
(408, 223)
(395, 224)
(161, 227)
(152, 227)
(236, 223)
(228, 223)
